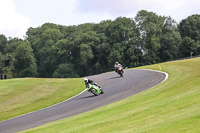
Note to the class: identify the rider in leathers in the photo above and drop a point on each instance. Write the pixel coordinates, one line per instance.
(116, 66)
(88, 81)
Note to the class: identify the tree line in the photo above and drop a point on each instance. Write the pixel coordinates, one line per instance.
(59, 51)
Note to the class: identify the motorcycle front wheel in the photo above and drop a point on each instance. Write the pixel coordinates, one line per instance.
(121, 73)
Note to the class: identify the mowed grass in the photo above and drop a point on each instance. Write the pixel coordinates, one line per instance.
(170, 107)
(20, 96)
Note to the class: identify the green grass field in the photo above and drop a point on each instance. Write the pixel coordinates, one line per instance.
(20, 96)
(170, 107)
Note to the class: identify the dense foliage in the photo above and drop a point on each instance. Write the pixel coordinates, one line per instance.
(75, 51)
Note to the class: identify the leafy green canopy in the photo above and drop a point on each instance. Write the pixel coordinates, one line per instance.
(90, 48)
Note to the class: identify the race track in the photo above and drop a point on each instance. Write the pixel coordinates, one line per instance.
(115, 88)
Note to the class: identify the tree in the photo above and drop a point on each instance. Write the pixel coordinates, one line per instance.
(124, 38)
(190, 27)
(102, 49)
(42, 40)
(61, 52)
(82, 51)
(190, 31)
(1, 63)
(65, 71)
(116, 54)
(25, 65)
(7, 58)
(187, 46)
(150, 26)
(170, 40)
(170, 43)
(85, 60)
(101, 54)
(3, 43)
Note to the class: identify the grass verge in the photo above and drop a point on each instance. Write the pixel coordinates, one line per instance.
(21, 96)
(172, 106)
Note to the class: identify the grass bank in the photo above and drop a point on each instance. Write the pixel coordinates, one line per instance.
(20, 96)
(172, 106)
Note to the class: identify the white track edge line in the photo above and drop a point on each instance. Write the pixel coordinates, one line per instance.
(44, 108)
(166, 74)
(166, 77)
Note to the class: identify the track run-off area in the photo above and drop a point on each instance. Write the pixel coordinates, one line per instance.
(115, 88)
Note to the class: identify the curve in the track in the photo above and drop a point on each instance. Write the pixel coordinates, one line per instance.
(115, 88)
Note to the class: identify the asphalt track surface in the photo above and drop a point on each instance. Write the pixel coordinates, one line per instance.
(115, 88)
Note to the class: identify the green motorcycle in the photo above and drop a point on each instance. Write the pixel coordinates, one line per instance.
(96, 90)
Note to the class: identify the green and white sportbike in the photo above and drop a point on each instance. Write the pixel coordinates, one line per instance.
(95, 89)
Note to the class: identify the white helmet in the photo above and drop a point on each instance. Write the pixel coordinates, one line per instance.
(85, 80)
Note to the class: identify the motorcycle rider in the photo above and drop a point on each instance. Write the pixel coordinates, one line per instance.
(89, 81)
(117, 65)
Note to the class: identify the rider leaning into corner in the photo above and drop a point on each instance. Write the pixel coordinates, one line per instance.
(117, 65)
(89, 81)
